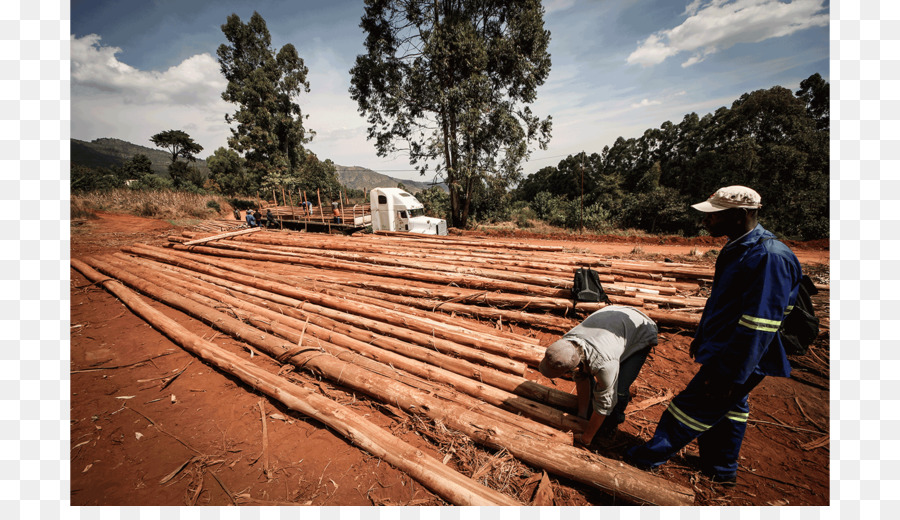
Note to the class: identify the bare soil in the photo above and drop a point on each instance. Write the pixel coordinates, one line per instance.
(143, 409)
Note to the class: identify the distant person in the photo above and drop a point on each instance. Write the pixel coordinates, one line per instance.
(270, 219)
(737, 344)
(604, 354)
(337, 213)
(237, 214)
(307, 205)
(251, 221)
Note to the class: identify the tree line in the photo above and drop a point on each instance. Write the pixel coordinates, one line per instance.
(773, 140)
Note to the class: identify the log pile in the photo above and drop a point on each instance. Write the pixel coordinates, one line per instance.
(218, 226)
(377, 314)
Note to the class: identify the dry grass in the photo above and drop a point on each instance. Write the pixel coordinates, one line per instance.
(162, 204)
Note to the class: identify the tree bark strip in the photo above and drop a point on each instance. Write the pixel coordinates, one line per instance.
(447, 483)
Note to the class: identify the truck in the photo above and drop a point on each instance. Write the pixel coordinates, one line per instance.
(393, 209)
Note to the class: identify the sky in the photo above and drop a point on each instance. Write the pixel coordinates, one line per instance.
(619, 67)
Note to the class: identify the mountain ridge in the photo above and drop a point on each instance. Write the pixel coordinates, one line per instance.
(109, 152)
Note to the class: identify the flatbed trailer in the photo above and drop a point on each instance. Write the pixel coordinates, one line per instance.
(354, 218)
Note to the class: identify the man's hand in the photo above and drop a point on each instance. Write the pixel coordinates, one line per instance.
(692, 350)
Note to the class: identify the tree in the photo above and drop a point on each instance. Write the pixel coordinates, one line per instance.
(815, 92)
(137, 167)
(179, 144)
(318, 175)
(268, 123)
(227, 172)
(449, 82)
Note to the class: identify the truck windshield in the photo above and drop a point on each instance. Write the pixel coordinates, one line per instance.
(420, 212)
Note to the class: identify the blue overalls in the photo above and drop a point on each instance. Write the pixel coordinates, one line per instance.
(755, 284)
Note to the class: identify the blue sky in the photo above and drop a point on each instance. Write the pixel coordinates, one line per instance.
(619, 67)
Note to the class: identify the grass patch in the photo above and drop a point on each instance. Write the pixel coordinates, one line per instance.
(81, 210)
(161, 204)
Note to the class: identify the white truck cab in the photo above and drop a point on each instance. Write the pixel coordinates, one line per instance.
(394, 209)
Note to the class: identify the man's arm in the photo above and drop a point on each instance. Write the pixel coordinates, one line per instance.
(592, 427)
(584, 390)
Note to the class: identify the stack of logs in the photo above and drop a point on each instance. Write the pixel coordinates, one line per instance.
(377, 314)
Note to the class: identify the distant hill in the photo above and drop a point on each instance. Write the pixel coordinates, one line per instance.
(361, 178)
(108, 153)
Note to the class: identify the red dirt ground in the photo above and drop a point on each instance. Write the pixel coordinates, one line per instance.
(132, 425)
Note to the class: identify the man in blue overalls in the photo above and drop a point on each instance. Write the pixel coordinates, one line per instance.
(737, 342)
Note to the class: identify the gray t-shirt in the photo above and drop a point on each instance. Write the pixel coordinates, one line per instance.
(608, 337)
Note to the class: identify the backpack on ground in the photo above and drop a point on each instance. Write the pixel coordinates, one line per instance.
(586, 287)
(801, 326)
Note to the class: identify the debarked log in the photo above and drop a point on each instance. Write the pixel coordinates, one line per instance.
(497, 346)
(444, 278)
(505, 381)
(383, 355)
(452, 486)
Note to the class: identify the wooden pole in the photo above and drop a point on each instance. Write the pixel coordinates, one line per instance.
(221, 235)
(430, 328)
(512, 383)
(289, 323)
(449, 484)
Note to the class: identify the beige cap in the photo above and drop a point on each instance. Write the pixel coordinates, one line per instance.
(559, 358)
(730, 197)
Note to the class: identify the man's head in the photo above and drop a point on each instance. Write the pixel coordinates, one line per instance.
(730, 211)
(561, 357)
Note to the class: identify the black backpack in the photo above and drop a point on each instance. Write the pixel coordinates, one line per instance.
(586, 287)
(801, 326)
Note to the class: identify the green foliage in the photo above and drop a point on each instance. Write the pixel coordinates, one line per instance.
(436, 202)
(213, 204)
(559, 211)
(152, 183)
(452, 80)
(178, 143)
(354, 193)
(524, 216)
(137, 167)
(227, 172)
(267, 127)
(313, 175)
(85, 179)
(241, 204)
(815, 92)
(769, 140)
(186, 177)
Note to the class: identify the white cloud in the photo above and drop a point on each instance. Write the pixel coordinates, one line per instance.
(646, 103)
(716, 25)
(113, 99)
(552, 6)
